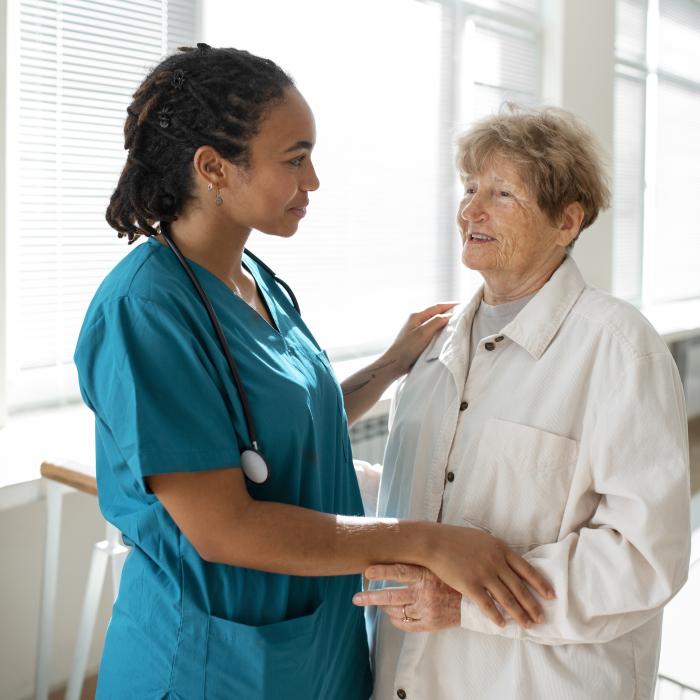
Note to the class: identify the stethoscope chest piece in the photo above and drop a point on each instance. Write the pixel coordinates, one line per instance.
(254, 466)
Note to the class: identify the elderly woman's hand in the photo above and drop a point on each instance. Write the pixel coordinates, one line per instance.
(426, 604)
(486, 571)
(415, 335)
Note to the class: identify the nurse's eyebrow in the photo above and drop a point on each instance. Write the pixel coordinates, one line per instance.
(307, 145)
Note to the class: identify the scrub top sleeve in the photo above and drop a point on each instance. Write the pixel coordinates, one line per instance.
(151, 382)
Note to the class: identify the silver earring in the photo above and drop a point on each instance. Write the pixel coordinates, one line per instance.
(210, 187)
(219, 199)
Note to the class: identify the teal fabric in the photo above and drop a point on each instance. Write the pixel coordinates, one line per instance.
(152, 371)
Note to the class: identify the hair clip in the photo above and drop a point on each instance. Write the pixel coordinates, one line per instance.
(177, 79)
(203, 48)
(164, 116)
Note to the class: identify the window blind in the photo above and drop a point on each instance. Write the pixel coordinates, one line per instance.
(513, 7)
(368, 251)
(76, 64)
(630, 29)
(679, 38)
(674, 274)
(499, 62)
(676, 242)
(628, 190)
(378, 241)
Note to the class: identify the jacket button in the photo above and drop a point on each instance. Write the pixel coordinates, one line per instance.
(463, 406)
(401, 693)
(490, 346)
(450, 476)
(499, 338)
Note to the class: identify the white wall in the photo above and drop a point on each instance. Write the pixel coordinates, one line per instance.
(578, 75)
(21, 563)
(3, 275)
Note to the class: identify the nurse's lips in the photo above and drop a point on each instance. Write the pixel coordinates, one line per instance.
(300, 211)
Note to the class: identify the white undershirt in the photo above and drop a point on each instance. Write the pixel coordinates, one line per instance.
(490, 319)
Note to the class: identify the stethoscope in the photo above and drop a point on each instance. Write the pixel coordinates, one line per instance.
(253, 462)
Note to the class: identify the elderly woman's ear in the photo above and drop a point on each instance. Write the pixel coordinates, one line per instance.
(570, 223)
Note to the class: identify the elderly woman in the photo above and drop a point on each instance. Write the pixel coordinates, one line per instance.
(550, 415)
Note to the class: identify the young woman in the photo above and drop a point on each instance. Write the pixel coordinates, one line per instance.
(237, 585)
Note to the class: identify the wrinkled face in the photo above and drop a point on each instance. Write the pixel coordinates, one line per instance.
(272, 193)
(502, 227)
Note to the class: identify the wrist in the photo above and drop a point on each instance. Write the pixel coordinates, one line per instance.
(390, 366)
(423, 543)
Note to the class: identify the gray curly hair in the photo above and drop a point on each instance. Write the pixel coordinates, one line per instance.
(557, 156)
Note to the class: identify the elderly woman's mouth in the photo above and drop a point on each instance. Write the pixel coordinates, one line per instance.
(480, 238)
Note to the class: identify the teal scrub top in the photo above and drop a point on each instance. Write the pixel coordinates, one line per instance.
(152, 371)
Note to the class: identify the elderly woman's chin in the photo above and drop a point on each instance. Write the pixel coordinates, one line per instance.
(476, 256)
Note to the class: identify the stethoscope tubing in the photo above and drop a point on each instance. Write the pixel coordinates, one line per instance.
(233, 367)
(253, 462)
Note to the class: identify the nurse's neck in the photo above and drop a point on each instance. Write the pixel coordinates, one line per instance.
(211, 241)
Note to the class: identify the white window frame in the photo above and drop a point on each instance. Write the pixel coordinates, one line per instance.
(647, 72)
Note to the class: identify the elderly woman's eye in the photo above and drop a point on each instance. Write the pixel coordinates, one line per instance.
(296, 162)
(503, 193)
(469, 190)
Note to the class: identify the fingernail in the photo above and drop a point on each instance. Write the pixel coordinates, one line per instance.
(540, 618)
(370, 572)
(357, 599)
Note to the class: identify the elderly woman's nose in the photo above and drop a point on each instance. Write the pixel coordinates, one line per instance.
(470, 208)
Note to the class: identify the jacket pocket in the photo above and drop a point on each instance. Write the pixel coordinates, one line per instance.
(520, 483)
(269, 661)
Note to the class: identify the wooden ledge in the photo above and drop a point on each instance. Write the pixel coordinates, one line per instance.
(75, 475)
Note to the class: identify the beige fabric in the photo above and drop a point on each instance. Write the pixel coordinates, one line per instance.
(488, 320)
(573, 450)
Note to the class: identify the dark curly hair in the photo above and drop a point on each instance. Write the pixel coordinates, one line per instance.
(198, 96)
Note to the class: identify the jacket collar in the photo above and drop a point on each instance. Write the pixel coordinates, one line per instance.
(536, 325)
(533, 328)
(444, 345)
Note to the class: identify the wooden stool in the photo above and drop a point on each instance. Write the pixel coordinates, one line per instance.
(61, 479)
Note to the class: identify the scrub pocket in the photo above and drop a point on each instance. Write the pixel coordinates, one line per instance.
(279, 660)
(520, 483)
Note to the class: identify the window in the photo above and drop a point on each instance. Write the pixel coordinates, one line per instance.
(657, 146)
(500, 62)
(73, 66)
(391, 85)
(399, 80)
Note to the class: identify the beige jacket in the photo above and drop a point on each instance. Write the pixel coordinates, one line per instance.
(573, 449)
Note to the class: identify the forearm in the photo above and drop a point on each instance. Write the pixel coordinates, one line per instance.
(364, 388)
(286, 539)
(595, 602)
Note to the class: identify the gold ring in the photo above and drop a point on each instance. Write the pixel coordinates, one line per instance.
(406, 619)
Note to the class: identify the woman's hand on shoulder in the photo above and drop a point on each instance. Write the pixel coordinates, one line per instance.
(415, 335)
